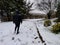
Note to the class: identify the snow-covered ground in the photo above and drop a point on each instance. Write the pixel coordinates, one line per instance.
(28, 33)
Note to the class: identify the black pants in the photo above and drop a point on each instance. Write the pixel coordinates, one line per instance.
(17, 28)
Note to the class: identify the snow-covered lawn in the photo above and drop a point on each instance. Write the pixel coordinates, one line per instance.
(28, 34)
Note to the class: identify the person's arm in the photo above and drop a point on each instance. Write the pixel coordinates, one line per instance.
(13, 19)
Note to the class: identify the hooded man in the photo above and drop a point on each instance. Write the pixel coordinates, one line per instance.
(17, 19)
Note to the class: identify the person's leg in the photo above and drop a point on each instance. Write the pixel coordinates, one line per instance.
(15, 28)
(18, 29)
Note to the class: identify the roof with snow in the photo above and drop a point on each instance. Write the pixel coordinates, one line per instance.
(37, 12)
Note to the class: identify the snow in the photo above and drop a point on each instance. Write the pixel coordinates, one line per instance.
(37, 12)
(34, 10)
(28, 33)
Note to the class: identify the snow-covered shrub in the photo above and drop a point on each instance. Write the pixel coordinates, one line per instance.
(57, 20)
(47, 23)
(56, 28)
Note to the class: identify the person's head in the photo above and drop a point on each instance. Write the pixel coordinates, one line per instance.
(17, 12)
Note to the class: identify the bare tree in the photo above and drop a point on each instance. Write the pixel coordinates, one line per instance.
(47, 5)
(27, 7)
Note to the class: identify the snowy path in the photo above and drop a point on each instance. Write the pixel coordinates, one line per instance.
(49, 37)
(28, 34)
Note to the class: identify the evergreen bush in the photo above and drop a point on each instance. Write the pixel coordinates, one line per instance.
(56, 28)
(47, 23)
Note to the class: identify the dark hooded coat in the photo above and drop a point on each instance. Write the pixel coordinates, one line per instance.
(17, 19)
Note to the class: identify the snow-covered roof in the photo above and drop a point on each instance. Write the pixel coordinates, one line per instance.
(37, 12)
